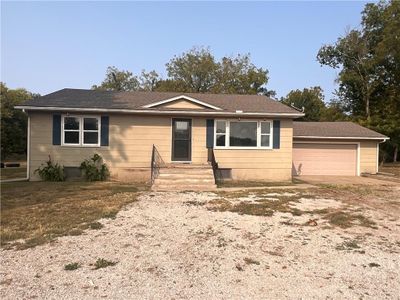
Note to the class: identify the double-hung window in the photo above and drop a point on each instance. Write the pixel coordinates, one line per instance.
(220, 134)
(266, 136)
(246, 134)
(81, 131)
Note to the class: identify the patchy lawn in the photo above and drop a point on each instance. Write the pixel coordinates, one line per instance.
(33, 213)
(12, 173)
(393, 168)
(332, 241)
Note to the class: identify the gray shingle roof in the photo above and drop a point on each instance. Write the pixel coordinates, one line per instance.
(77, 98)
(333, 129)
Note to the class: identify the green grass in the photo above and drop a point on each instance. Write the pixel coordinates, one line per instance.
(103, 263)
(72, 266)
(38, 212)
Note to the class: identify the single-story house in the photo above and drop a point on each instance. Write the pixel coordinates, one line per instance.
(249, 137)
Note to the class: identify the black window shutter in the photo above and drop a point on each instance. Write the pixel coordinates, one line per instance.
(56, 129)
(210, 133)
(104, 131)
(276, 144)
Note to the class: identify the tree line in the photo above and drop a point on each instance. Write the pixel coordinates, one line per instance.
(367, 60)
(196, 71)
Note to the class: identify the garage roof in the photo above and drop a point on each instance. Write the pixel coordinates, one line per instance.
(337, 130)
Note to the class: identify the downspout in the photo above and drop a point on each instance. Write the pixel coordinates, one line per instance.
(377, 154)
(28, 147)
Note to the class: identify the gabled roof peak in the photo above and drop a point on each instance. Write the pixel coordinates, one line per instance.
(154, 104)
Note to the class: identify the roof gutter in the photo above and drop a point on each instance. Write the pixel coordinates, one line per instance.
(385, 138)
(154, 112)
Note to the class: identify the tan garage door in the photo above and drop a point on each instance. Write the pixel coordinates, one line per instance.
(324, 159)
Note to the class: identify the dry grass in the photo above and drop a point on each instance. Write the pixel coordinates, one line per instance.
(251, 261)
(260, 207)
(393, 168)
(345, 219)
(348, 245)
(12, 173)
(264, 206)
(38, 212)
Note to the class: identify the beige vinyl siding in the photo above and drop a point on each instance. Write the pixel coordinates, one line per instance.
(182, 104)
(367, 152)
(130, 144)
(368, 157)
(131, 138)
(260, 164)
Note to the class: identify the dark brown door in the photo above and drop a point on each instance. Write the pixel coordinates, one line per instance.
(181, 140)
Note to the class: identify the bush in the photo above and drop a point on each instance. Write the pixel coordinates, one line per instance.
(103, 263)
(72, 266)
(94, 169)
(51, 171)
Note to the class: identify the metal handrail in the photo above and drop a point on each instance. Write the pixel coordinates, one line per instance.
(214, 164)
(156, 163)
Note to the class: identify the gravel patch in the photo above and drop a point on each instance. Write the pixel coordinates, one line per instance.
(169, 246)
(316, 203)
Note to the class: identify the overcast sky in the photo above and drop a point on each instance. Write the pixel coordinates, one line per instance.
(48, 46)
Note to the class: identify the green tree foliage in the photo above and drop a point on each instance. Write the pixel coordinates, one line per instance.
(13, 121)
(195, 71)
(334, 112)
(311, 101)
(122, 80)
(148, 80)
(118, 80)
(369, 78)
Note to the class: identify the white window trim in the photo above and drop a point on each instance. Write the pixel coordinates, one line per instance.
(227, 135)
(81, 131)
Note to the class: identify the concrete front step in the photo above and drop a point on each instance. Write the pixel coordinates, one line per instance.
(187, 166)
(174, 176)
(186, 187)
(185, 181)
(185, 177)
(185, 171)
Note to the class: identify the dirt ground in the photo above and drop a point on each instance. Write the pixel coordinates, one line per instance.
(335, 242)
(345, 180)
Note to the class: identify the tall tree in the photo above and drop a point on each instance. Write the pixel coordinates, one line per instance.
(148, 80)
(369, 62)
(238, 75)
(13, 121)
(357, 77)
(195, 71)
(311, 101)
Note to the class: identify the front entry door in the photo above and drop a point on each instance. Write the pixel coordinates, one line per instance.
(181, 140)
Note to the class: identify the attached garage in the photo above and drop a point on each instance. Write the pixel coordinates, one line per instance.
(334, 148)
(324, 159)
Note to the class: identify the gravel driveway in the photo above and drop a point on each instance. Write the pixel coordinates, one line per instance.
(172, 246)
